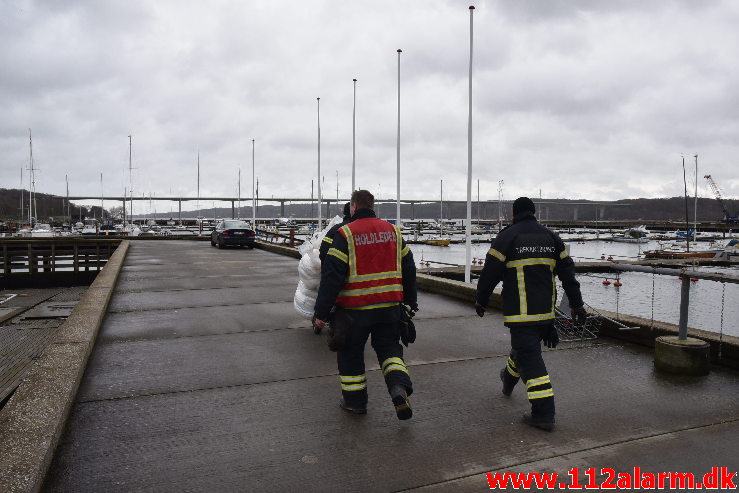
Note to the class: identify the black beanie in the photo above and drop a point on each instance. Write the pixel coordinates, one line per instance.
(523, 204)
(347, 209)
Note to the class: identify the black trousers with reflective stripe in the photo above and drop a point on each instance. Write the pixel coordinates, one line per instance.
(382, 325)
(529, 364)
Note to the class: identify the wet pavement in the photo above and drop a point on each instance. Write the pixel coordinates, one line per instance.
(204, 378)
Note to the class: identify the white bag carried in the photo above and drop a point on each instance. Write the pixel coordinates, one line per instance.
(309, 271)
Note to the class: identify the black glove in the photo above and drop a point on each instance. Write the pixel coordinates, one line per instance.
(579, 315)
(407, 328)
(414, 308)
(479, 309)
(551, 338)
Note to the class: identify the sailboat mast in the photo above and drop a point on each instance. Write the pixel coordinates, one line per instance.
(695, 207)
(441, 209)
(102, 199)
(21, 217)
(69, 213)
(31, 181)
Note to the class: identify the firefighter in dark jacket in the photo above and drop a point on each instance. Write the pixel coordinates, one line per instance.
(328, 238)
(369, 271)
(526, 256)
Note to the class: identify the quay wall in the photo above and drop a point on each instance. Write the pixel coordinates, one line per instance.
(33, 420)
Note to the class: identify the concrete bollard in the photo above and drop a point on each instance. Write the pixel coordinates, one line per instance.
(683, 357)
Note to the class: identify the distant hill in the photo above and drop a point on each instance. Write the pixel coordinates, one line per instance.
(551, 210)
(47, 206)
(672, 208)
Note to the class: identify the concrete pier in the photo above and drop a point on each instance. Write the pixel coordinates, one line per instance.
(204, 378)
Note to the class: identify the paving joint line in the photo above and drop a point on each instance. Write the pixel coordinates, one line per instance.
(195, 336)
(283, 380)
(587, 449)
(196, 306)
(174, 290)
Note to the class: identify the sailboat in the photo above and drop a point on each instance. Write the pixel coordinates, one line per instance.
(440, 240)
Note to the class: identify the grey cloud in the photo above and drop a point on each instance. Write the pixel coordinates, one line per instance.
(592, 100)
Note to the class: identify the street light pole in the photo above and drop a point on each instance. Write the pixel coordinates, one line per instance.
(468, 229)
(354, 136)
(397, 199)
(253, 194)
(320, 197)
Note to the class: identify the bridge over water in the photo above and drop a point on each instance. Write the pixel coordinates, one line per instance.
(596, 206)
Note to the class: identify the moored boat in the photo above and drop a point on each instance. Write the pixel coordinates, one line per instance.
(437, 242)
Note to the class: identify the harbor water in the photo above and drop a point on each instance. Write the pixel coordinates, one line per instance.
(644, 295)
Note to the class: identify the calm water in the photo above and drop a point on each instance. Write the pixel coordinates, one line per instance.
(644, 295)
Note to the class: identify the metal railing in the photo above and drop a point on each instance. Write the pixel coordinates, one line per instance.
(685, 275)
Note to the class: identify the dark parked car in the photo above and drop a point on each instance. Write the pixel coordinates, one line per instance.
(233, 232)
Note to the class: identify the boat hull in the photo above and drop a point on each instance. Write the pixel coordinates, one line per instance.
(438, 242)
(666, 254)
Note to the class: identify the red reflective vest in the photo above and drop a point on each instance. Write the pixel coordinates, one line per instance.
(374, 252)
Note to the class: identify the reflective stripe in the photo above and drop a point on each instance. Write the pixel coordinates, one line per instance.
(538, 381)
(392, 360)
(352, 252)
(375, 277)
(338, 254)
(405, 251)
(375, 290)
(372, 307)
(540, 394)
(511, 367)
(394, 368)
(328, 240)
(528, 318)
(393, 364)
(354, 386)
(352, 379)
(563, 255)
(523, 307)
(352, 383)
(495, 253)
(531, 261)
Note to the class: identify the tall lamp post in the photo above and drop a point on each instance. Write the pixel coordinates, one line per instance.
(320, 197)
(354, 136)
(397, 196)
(253, 194)
(468, 229)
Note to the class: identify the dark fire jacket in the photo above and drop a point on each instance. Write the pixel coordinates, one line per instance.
(526, 256)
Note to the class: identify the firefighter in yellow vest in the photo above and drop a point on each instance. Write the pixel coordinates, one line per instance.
(369, 272)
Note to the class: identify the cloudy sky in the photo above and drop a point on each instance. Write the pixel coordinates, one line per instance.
(594, 100)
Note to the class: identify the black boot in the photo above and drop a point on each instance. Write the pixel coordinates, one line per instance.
(546, 424)
(351, 409)
(401, 402)
(507, 386)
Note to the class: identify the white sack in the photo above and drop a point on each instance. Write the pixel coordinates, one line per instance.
(304, 300)
(309, 271)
